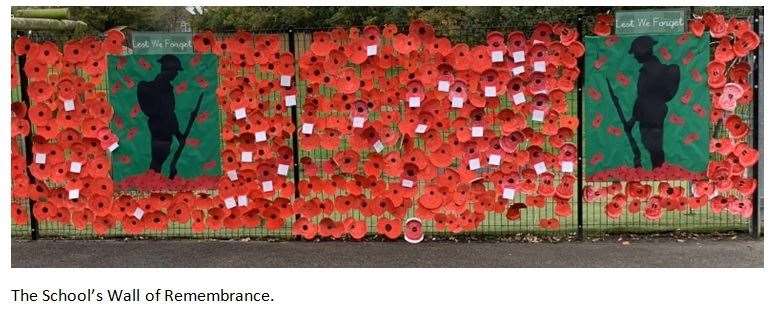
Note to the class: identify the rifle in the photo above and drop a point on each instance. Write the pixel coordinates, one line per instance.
(632, 142)
(182, 140)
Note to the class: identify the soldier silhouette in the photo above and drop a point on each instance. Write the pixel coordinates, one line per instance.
(157, 101)
(657, 85)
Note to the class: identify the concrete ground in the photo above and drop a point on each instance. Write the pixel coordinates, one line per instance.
(194, 253)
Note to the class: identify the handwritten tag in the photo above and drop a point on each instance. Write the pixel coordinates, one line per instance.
(70, 105)
(260, 136)
(567, 166)
(242, 200)
(240, 113)
(519, 56)
(477, 131)
(246, 156)
(457, 102)
(75, 167)
(508, 193)
(539, 66)
(266, 186)
(72, 194)
(283, 170)
(474, 164)
(286, 80)
(407, 183)
(378, 146)
(490, 91)
(113, 146)
(518, 70)
(538, 115)
(40, 158)
(291, 100)
(414, 102)
(230, 202)
(519, 98)
(138, 213)
(497, 56)
(443, 86)
(540, 168)
(494, 159)
(421, 128)
(232, 175)
(372, 50)
(307, 128)
(358, 122)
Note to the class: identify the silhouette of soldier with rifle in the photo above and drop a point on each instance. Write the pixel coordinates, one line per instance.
(157, 101)
(657, 85)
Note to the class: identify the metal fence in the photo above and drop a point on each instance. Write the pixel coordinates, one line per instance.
(588, 217)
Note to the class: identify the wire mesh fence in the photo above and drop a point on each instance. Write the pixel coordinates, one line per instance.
(593, 217)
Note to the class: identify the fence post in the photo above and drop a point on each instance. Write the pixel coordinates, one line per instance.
(294, 137)
(34, 233)
(580, 163)
(755, 219)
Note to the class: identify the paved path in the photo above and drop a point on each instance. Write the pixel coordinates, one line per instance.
(193, 253)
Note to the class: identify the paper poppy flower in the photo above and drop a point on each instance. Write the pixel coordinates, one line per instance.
(19, 214)
(390, 228)
(103, 224)
(736, 128)
(22, 45)
(414, 230)
(603, 25)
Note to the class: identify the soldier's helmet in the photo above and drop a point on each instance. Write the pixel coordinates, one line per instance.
(642, 45)
(170, 63)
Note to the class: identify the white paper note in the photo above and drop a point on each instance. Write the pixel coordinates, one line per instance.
(421, 128)
(232, 175)
(246, 156)
(40, 158)
(69, 105)
(138, 213)
(497, 56)
(414, 102)
(539, 66)
(230, 202)
(283, 170)
(508, 193)
(266, 186)
(72, 194)
(291, 100)
(477, 131)
(443, 86)
(538, 115)
(518, 70)
(260, 136)
(519, 98)
(358, 122)
(75, 167)
(490, 91)
(240, 113)
(519, 56)
(567, 166)
(457, 102)
(286, 80)
(307, 128)
(372, 50)
(242, 200)
(474, 164)
(378, 146)
(407, 183)
(540, 168)
(494, 159)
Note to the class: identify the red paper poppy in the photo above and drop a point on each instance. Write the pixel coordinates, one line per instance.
(22, 45)
(390, 228)
(114, 42)
(737, 129)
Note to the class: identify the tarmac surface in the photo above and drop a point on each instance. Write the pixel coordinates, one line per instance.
(206, 253)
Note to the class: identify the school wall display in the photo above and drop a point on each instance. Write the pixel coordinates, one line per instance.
(167, 120)
(397, 133)
(647, 107)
